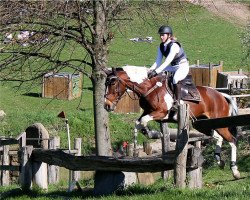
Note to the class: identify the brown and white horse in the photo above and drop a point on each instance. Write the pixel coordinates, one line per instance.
(156, 101)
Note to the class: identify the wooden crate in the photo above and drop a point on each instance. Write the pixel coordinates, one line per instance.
(62, 85)
(205, 75)
(237, 79)
(127, 104)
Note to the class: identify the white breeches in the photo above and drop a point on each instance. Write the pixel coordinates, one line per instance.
(180, 71)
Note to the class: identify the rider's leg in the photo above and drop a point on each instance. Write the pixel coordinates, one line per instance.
(177, 91)
(180, 74)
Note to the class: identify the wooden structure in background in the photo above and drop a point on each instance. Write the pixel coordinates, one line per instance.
(234, 79)
(12, 162)
(128, 104)
(62, 85)
(205, 75)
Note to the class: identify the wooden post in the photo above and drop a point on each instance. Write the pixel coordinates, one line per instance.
(165, 145)
(22, 139)
(210, 67)
(26, 168)
(53, 170)
(6, 162)
(40, 169)
(197, 63)
(40, 172)
(195, 175)
(221, 63)
(181, 146)
(78, 147)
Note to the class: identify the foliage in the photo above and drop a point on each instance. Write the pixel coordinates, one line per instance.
(203, 36)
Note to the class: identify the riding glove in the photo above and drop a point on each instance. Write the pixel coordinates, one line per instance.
(151, 74)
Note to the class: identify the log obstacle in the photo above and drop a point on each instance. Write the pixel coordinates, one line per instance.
(181, 159)
(209, 124)
(185, 162)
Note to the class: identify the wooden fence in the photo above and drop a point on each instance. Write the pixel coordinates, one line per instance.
(183, 160)
(11, 150)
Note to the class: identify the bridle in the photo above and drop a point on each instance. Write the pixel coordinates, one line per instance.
(113, 78)
(117, 90)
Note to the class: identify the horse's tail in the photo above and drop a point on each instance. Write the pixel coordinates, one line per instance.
(233, 111)
(232, 105)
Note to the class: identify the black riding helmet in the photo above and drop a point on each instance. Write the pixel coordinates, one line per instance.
(165, 29)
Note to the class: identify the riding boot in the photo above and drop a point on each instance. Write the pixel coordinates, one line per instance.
(176, 94)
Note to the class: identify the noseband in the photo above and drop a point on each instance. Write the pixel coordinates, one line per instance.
(110, 81)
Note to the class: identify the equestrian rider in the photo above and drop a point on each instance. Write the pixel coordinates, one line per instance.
(175, 62)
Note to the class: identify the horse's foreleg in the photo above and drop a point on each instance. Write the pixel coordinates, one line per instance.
(137, 127)
(152, 134)
(233, 166)
(217, 151)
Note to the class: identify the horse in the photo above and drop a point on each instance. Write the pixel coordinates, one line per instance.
(156, 100)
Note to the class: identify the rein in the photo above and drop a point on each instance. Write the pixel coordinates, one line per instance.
(158, 84)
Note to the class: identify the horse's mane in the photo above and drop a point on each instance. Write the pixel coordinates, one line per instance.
(136, 73)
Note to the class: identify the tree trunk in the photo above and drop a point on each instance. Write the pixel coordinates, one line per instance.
(102, 135)
(99, 59)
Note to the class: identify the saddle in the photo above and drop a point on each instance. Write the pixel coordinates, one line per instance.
(189, 92)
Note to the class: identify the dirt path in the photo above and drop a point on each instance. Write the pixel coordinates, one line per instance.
(238, 13)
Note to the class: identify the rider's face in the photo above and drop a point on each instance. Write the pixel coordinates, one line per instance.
(164, 37)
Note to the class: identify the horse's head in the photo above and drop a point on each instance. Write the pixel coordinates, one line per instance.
(115, 87)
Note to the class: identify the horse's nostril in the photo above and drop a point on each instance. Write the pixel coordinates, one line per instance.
(107, 107)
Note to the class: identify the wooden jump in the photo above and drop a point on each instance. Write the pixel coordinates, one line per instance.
(104, 163)
(209, 124)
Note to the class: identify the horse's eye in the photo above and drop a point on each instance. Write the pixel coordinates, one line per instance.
(112, 81)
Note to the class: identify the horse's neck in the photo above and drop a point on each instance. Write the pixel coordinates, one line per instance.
(139, 89)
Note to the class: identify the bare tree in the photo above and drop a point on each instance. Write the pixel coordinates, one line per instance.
(38, 33)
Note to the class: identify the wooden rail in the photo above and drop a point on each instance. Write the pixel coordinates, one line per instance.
(209, 124)
(103, 163)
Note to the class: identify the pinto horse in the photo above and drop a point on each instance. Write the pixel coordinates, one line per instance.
(156, 100)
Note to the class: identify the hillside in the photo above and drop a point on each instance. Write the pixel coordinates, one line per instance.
(234, 11)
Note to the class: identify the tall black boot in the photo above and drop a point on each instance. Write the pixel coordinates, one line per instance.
(176, 94)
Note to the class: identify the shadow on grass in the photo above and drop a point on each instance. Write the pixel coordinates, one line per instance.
(231, 180)
(33, 94)
(82, 194)
(88, 88)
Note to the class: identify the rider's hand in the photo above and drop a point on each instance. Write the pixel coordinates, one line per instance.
(151, 74)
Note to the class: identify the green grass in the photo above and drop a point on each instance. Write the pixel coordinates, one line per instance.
(204, 37)
(216, 184)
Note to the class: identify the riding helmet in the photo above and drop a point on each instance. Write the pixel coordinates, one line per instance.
(165, 29)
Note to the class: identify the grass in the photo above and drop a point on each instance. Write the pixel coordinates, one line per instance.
(217, 184)
(204, 37)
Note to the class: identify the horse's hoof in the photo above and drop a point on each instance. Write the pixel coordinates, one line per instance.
(236, 174)
(221, 164)
(154, 134)
(235, 171)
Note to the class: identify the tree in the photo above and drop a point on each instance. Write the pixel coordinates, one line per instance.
(41, 31)
(37, 33)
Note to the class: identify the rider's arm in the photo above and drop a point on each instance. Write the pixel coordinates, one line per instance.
(158, 60)
(173, 51)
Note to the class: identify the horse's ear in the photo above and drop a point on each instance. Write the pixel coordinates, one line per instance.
(107, 71)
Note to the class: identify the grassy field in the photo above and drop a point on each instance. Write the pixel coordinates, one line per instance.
(204, 37)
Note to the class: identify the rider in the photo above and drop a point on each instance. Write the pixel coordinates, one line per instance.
(176, 60)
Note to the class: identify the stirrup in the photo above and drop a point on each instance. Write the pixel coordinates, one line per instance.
(175, 106)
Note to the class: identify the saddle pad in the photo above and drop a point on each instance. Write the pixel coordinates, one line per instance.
(189, 91)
